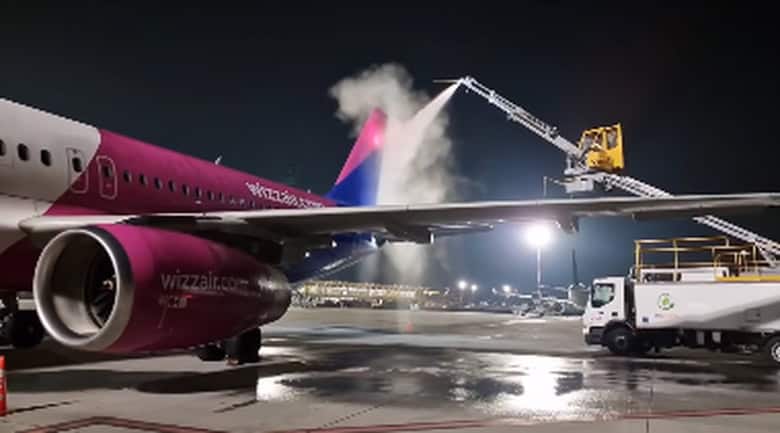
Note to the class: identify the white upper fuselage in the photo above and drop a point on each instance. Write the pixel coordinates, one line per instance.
(50, 165)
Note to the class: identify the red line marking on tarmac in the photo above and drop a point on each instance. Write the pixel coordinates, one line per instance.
(118, 422)
(705, 413)
(460, 424)
(384, 428)
(70, 425)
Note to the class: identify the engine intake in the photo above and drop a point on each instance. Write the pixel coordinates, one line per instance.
(122, 288)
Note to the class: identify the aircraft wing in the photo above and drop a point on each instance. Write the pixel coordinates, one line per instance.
(418, 222)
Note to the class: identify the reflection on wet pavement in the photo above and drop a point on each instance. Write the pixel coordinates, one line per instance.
(494, 384)
(497, 384)
(538, 387)
(352, 382)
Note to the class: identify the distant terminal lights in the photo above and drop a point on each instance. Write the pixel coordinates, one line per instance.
(331, 288)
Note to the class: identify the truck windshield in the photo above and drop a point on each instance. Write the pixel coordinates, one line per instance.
(602, 294)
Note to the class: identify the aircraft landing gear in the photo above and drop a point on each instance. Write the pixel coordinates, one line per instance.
(210, 352)
(244, 348)
(21, 328)
(24, 329)
(241, 349)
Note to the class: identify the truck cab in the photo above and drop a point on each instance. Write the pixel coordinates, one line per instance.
(606, 308)
(610, 315)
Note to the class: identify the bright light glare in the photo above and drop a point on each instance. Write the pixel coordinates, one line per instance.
(540, 378)
(506, 288)
(272, 389)
(462, 284)
(538, 235)
(474, 287)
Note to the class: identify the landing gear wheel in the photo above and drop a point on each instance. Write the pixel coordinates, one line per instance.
(244, 348)
(620, 341)
(24, 329)
(210, 352)
(771, 351)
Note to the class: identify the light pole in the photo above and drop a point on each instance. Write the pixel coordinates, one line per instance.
(538, 235)
(462, 285)
(474, 289)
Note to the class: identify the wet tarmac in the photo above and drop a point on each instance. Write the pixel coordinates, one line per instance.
(375, 371)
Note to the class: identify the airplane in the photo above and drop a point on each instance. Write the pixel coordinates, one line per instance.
(127, 247)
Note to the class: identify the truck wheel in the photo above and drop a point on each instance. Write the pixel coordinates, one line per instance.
(620, 341)
(641, 346)
(772, 350)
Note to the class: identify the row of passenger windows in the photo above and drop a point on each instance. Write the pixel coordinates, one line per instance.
(185, 189)
(24, 153)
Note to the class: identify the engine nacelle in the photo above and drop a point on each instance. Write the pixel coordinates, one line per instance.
(123, 288)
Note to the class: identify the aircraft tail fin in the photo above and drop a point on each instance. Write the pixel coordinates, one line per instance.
(358, 181)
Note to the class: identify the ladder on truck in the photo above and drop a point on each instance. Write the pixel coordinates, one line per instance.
(579, 177)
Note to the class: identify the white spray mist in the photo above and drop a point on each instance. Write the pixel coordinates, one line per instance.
(417, 164)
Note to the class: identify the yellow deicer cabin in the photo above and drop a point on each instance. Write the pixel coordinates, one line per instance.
(603, 147)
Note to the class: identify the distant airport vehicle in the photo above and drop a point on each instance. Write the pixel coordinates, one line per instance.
(128, 247)
(708, 294)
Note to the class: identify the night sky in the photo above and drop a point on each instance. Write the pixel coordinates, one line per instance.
(695, 89)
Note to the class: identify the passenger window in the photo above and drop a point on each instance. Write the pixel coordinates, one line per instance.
(222, 197)
(197, 191)
(45, 157)
(172, 186)
(2, 148)
(602, 294)
(76, 163)
(107, 172)
(142, 179)
(252, 204)
(210, 195)
(23, 151)
(127, 176)
(185, 190)
(157, 183)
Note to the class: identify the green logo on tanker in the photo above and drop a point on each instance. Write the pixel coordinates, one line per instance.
(665, 302)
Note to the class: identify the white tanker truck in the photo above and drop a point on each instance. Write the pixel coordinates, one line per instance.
(706, 293)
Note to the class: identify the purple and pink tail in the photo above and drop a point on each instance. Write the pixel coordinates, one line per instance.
(358, 182)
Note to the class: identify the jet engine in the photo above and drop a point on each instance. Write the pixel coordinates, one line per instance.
(123, 288)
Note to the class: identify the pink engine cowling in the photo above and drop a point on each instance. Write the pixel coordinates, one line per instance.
(123, 288)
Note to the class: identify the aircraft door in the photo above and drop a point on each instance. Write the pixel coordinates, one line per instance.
(78, 178)
(107, 177)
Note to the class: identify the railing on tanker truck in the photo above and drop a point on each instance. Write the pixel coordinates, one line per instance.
(714, 257)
